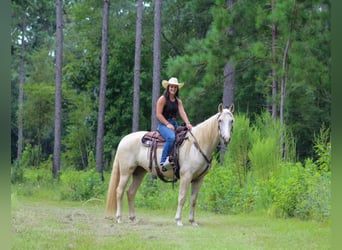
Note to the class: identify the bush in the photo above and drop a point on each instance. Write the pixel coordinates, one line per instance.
(222, 193)
(285, 188)
(236, 157)
(17, 173)
(155, 194)
(81, 185)
(265, 153)
(315, 201)
(301, 192)
(33, 181)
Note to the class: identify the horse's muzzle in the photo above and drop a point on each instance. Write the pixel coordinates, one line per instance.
(226, 140)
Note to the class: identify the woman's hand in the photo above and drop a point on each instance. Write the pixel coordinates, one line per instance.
(170, 126)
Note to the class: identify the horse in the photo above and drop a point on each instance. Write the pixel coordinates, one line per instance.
(132, 160)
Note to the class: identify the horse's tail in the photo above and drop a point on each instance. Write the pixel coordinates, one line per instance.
(113, 184)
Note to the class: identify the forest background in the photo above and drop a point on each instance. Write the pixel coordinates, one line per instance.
(270, 58)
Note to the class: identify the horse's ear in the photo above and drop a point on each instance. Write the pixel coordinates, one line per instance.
(231, 108)
(220, 108)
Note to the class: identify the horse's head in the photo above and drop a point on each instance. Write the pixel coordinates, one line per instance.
(225, 122)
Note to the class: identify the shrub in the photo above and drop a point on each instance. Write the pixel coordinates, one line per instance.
(301, 191)
(236, 157)
(265, 153)
(34, 181)
(155, 194)
(17, 173)
(285, 188)
(30, 156)
(221, 190)
(315, 201)
(81, 185)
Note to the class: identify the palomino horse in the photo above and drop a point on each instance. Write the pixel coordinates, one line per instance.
(132, 159)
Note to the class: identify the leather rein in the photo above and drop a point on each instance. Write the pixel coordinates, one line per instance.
(202, 153)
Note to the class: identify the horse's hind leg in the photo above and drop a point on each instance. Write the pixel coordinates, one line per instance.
(138, 177)
(119, 192)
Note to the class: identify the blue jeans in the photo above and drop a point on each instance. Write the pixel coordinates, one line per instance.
(169, 136)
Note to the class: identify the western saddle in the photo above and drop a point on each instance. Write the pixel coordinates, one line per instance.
(153, 139)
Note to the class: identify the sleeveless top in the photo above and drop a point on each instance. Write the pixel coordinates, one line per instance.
(170, 109)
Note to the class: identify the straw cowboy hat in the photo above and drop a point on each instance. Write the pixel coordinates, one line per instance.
(172, 81)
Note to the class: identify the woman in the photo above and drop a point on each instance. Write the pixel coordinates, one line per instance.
(168, 107)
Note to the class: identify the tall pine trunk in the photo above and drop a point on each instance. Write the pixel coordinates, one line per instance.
(274, 67)
(283, 94)
(228, 83)
(21, 95)
(137, 59)
(58, 91)
(156, 62)
(102, 95)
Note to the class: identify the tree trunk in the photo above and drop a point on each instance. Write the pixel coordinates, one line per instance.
(137, 59)
(58, 93)
(156, 61)
(21, 96)
(102, 95)
(228, 84)
(282, 95)
(274, 68)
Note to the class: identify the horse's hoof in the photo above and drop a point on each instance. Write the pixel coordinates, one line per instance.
(193, 223)
(132, 219)
(118, 220)
(179, 223)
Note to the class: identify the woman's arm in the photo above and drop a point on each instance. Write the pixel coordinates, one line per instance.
(183, 114)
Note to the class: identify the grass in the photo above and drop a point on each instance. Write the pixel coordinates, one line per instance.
(50, 224)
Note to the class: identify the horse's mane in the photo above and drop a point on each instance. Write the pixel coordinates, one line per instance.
(206, 129)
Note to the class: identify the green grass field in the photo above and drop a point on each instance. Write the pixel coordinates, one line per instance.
(47, 224)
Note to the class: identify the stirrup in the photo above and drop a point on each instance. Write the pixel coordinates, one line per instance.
(167, 164)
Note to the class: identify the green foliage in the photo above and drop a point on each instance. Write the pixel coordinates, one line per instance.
(38, 113)
(239, 147)
(30, 156)
(263, 157)
(81, 185)
(154, 194)
(322, 148)
(315, 201)
(222, 193)
(283, 188)
(79, 138)
(302, 192)
(17, 174)
(265, 153)
(37, 182)
(246, 43)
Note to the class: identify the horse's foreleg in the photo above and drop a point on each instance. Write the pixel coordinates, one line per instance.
(195, 186)
(184, 184)
(119, 193)
(138, 177)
